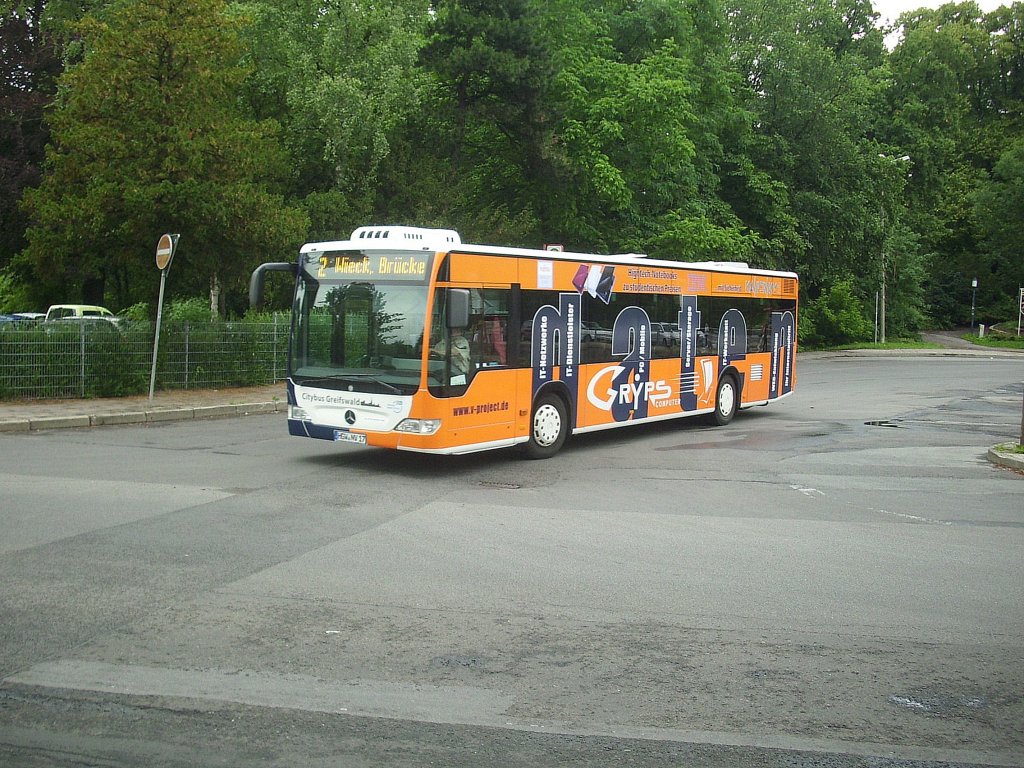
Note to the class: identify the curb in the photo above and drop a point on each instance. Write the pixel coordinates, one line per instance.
(124, 417)
(1004, 459)
(58, 422)
(141, 417)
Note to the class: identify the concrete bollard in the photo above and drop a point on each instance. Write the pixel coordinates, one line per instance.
(981, 330)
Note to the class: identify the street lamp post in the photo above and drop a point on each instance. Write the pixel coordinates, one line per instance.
(974, 293)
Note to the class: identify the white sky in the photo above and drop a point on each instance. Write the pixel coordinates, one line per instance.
(891, 9)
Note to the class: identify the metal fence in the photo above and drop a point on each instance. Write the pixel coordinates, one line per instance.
(99, 359)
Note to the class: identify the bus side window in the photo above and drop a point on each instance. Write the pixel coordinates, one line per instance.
(495, 330)
(490, 329)
(493, 347)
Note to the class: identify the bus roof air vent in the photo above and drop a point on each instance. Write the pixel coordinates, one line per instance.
(405, 237)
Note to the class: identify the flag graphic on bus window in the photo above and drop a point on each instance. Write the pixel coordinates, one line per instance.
(597, 280)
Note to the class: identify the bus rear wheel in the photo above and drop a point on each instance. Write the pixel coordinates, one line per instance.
(726, 400)
(549, 426)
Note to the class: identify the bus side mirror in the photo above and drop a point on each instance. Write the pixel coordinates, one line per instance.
(458, 307)
(259, 276)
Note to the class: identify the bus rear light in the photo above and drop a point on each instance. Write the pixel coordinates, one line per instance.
(419, 426)
(294, 412)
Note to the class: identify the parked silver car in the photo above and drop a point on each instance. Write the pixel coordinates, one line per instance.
(665, 334)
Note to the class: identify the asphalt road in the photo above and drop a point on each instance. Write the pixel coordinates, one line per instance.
(835, 580)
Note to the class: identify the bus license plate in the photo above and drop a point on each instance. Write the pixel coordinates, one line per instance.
(349, 437)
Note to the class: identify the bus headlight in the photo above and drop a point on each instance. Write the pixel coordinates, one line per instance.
(419, 426)
(294, 412)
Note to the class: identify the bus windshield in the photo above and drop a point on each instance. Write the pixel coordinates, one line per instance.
(361, 335)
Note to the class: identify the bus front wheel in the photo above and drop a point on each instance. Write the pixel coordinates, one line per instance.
(726, 400)
(549, 426)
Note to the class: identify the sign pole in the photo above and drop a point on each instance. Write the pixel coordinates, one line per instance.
(164, 253)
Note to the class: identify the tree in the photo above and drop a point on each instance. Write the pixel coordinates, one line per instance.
(624, 127)
(809, 74)
(954, 107)
(489, 118)
(592, 122)
(341, 80)
(28, 69)
(999, 207)
(148, 137)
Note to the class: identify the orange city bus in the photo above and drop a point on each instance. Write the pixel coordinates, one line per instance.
(408, 338)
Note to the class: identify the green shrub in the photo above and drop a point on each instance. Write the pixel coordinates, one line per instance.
(14, 296)
(136, 313)
(188, 310)
(836, 317)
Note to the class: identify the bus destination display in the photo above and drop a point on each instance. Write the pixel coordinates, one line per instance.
(372, 266)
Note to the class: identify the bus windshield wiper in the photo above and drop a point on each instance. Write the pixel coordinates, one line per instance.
(345, 377)
(370, 377)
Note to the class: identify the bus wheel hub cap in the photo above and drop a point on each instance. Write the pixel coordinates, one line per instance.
(546, 425)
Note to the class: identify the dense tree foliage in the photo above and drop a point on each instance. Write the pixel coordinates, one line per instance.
(778, 132)
(340, 79)
(29, 66)
(146, 139)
